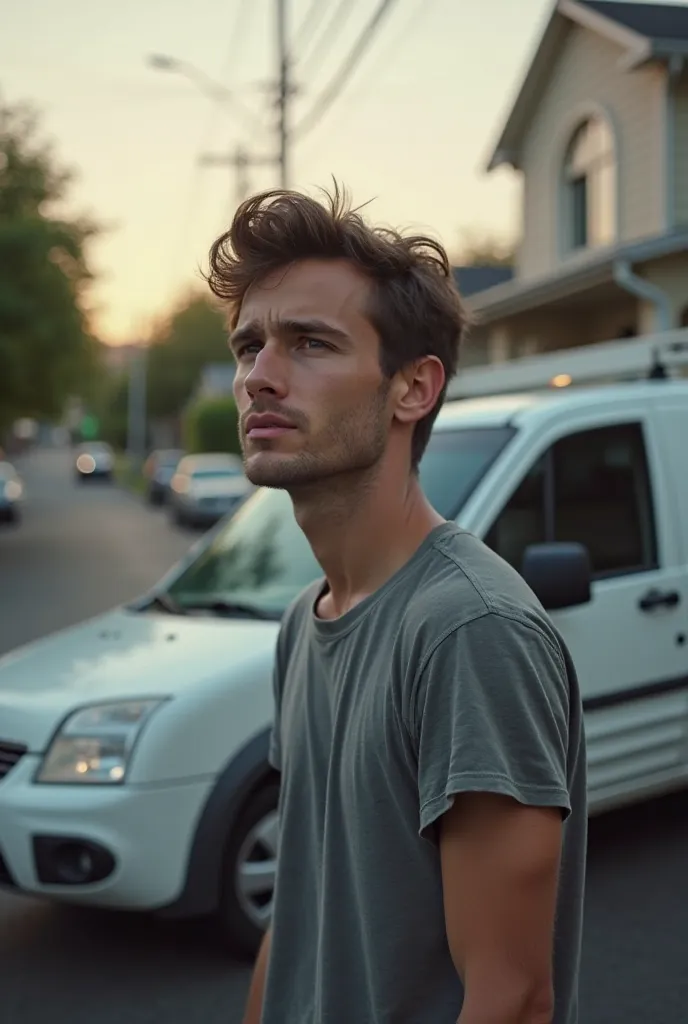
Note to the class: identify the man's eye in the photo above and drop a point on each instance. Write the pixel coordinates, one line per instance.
(248, 349)
(313, 342)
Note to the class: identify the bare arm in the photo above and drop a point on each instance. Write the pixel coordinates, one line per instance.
(254, 1004)
(500, 865)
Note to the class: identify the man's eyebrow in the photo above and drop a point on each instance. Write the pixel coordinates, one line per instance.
(247, 332)
(296, 326)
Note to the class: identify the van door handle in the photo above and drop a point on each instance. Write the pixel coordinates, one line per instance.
(659, 599)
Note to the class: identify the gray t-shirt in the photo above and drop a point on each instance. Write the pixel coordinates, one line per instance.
(450, 678)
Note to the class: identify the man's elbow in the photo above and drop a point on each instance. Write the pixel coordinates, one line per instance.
(509, 1003)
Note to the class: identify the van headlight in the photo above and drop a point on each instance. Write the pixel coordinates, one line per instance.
(94, 744)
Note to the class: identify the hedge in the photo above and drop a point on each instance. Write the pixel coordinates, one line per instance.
(211, 425)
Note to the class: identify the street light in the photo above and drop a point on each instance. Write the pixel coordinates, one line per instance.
(207, 85)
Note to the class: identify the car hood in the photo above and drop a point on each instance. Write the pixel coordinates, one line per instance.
(119, 656)
(229, 487)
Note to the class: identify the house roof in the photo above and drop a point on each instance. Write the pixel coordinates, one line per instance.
(643, 31)
(583, 271)
(471, 280)
(653, 21)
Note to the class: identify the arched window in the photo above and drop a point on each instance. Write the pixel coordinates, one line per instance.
(590, 184)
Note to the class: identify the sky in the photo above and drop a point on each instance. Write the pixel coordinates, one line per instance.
(411, 131)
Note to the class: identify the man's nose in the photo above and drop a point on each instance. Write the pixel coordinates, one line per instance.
(268, 373)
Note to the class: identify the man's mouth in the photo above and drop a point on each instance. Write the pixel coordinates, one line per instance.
(265, 425)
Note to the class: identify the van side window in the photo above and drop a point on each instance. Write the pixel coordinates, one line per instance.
(522, 522)
(603, 498)
(593, 488)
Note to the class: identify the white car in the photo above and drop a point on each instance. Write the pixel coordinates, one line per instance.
(204, 488)
(11, 493)
(94, 460)
(133, 748)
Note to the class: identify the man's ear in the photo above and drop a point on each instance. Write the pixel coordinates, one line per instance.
(416, 389)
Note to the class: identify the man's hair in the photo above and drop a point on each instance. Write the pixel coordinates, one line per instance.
(415, 306)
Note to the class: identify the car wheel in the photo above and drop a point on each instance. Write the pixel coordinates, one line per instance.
(249, 873)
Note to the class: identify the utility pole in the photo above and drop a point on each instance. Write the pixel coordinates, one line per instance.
(284, 92)
(136, 426)
(240, 161)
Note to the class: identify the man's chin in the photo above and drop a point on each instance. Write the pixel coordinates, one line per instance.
(268, 469)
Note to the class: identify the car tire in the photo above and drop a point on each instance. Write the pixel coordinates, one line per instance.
(248, 874)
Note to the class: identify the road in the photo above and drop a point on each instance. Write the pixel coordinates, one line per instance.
(83, 549)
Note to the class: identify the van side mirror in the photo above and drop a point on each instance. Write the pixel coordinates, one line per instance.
(559, 574)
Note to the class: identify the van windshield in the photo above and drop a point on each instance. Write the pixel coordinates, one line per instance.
(261, 560)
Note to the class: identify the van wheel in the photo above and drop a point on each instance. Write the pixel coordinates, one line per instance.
(249, 873)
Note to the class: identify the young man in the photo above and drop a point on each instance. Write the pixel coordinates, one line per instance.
(428, 721)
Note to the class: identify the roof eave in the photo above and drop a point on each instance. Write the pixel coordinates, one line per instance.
(654, 50)
(594, 268)
(507, 149)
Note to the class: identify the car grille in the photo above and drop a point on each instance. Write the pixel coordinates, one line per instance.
(10, 755)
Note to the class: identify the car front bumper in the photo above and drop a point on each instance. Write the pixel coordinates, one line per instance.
(146, 831)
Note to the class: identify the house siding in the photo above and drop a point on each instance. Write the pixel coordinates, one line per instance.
(586, 74)
(680, 175)
(552, 329)
(671, 275)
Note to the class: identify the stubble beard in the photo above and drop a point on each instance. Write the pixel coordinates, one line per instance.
(347, 451)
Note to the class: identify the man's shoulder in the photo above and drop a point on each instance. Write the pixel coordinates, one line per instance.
(463, 580)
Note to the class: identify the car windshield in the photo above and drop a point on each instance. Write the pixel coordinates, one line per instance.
(214, 474)
(261, 559)
(96, 448)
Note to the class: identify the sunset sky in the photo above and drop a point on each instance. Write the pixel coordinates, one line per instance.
(412, 129)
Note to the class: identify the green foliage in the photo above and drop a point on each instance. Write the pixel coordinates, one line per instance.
(45, 347)
(481, 250)
(112, 410)
(194, 335)
(211, 425)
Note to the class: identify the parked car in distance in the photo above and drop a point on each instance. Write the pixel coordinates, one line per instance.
(11, 493)
(158, 469)
(94, 460)
(133, 747)
(205, 488)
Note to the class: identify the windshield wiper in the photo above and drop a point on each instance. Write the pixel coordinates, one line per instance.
(220, 606)
(162, 601)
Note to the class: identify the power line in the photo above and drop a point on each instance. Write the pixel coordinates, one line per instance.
(311, 23)
(330, 35)
(357, 52)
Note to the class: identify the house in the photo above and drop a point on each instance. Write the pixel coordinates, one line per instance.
(598, 133)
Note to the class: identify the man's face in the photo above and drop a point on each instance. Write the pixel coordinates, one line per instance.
(312, 399)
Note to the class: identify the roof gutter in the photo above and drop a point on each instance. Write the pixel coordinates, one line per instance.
(642, 289)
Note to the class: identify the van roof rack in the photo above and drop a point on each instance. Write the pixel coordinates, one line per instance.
(652, 357)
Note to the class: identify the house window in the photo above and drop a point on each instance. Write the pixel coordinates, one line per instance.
(590, 184)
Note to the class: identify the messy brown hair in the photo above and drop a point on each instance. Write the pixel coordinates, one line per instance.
(414, 307)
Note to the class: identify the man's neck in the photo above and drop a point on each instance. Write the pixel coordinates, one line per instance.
(362, 535)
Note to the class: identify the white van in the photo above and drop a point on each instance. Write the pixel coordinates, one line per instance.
(133, 768)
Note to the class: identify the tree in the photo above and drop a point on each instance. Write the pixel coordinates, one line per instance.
(483, 250)
(194, 335)
(45, 345)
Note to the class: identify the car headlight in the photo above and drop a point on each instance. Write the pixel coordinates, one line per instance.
(13, 490)
(94, 744)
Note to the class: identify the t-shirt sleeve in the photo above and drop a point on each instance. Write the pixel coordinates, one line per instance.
(275, 749)
(491, 714)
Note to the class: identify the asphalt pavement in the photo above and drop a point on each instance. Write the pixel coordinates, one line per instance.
(83, 549)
